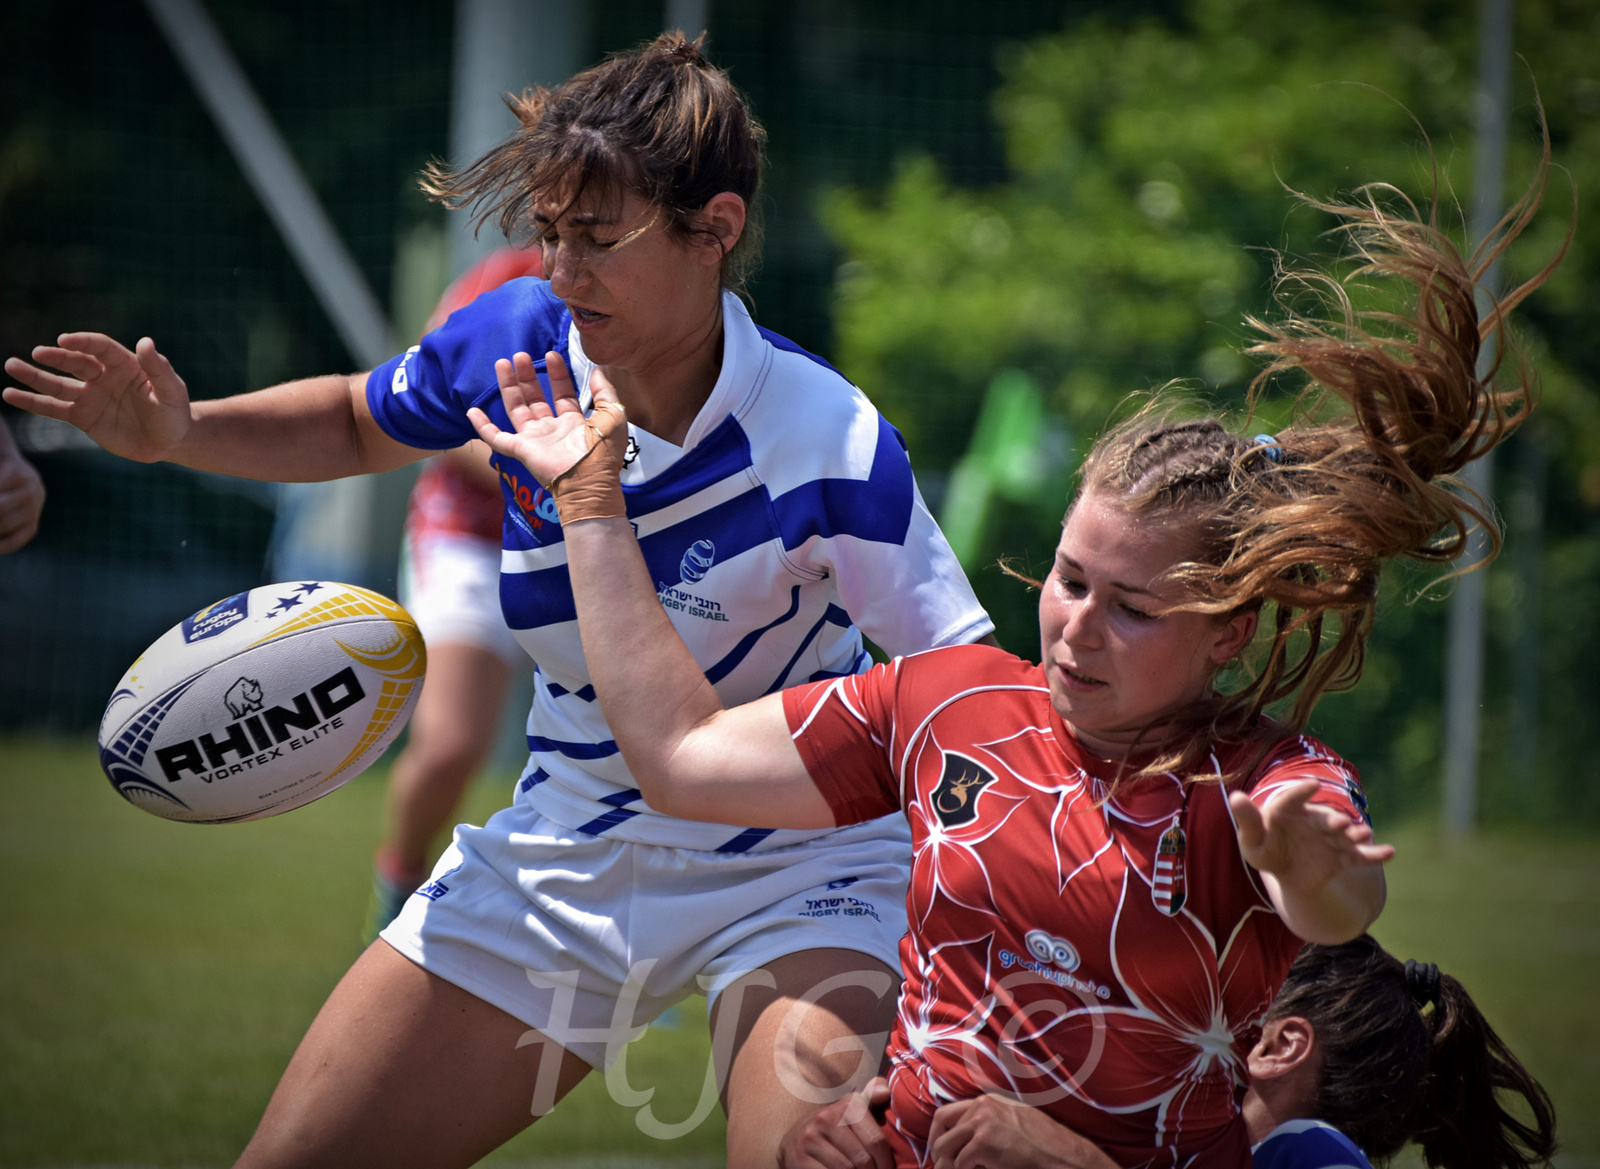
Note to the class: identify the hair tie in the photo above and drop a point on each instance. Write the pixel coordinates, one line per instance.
(1271, 448)
(1422, 981)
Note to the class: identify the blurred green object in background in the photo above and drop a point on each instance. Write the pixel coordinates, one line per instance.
(1018, 453)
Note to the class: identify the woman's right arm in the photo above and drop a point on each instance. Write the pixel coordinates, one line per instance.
(135, 405)
(691, 757)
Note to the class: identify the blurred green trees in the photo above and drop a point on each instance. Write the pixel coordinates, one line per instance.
(1151, 165)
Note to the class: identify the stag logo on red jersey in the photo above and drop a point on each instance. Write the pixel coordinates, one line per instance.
(955, 800)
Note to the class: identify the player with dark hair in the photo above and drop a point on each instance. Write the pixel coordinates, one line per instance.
(781, 521)
(1360, 1053)
(1115, 859)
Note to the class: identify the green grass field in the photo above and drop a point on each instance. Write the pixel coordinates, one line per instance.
(154, 977)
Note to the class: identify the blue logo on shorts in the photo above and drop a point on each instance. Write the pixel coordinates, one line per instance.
(697, 561)
(436, 888)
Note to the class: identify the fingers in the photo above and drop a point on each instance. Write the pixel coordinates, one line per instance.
(502, 442)
(168, 388)
(83, 366)
(948, 1136)
(520, 391)
(1293, 798)
(563, 393)
(47, 385)
(43, 405)
(831, 1139)
(600, 386)
(1252, 829)
(107, 350)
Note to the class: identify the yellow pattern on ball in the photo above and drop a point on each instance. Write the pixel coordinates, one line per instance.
(402, 662)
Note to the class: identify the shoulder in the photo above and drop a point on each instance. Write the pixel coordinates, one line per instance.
(938, 676)
(1300, 757)
(918, 686)
(522, 312)
(807, 420)
(1308, 1144)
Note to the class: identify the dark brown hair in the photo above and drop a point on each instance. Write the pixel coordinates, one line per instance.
(1298, 527)
(658, 120)
(1407, 1056)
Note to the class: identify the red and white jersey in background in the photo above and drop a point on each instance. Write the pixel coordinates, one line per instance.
(1109, 961)
(445, 501)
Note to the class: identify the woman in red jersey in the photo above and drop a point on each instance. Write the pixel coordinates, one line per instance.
(1116, 854)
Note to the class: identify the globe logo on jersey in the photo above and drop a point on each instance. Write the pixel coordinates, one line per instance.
(697, 561)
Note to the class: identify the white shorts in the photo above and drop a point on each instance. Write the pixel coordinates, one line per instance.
(589, 939)
(451, 586)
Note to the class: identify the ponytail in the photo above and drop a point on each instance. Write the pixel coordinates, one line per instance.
(1298, 525)
(1458, 1119)
(1407, 1056)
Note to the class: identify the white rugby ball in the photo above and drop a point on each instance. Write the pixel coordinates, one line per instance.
(262, 702)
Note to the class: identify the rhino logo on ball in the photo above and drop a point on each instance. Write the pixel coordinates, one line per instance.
(243, 697)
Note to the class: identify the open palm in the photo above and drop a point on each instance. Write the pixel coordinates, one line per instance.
(549, 442)
(132, 403)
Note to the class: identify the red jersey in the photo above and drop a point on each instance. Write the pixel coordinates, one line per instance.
(1108, 961)
(446, 501)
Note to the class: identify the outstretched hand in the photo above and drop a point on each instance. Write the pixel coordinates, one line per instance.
(549, 442)
(1323, 866)
(131, 402)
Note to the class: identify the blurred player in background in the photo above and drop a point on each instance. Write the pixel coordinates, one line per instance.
(21, 494)
(450, 582)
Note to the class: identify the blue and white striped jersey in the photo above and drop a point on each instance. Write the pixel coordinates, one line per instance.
(786, 524)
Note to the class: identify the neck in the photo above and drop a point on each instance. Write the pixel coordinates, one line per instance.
(1265, 1107)
(666, 395)
(1120, 745)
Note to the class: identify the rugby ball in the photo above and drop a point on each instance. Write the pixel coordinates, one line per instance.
(262, 702)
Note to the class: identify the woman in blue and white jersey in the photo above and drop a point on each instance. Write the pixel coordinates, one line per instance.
(1361, 1053)
(780, 519)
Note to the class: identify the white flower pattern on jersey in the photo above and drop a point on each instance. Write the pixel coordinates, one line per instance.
(1157, 1016)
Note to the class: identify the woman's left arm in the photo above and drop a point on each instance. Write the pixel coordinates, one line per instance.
(1320, 866)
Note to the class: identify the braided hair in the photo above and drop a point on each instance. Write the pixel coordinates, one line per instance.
(1406, 1055)
(1298, 526)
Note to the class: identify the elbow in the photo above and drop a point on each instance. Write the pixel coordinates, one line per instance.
(658, 794)
(664, 792)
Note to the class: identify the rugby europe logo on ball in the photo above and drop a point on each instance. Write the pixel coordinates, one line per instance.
(262, 702)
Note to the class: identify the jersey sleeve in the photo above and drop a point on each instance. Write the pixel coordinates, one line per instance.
(421, 397)
(1302, 759)
(871, 533)
(843, 729)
